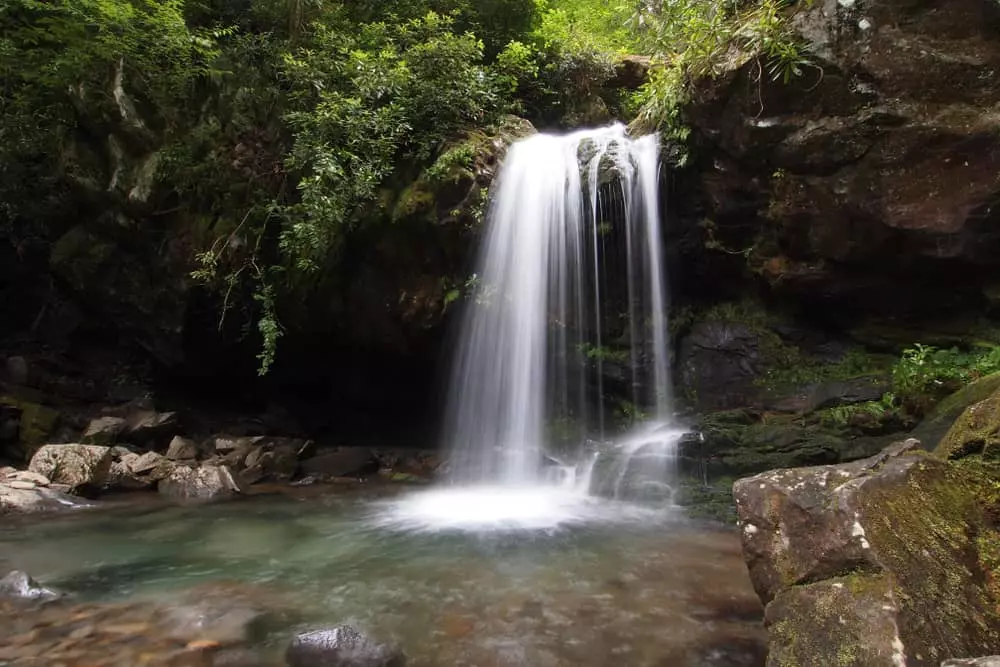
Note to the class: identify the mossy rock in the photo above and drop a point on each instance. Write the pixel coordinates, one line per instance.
(38, 422)
(885, 561)
(975, 432)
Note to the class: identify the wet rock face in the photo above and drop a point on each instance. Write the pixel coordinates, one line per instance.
(876, 168)
(342, 646)
(877, 562)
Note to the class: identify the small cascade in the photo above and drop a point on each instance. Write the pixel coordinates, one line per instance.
(573, 225)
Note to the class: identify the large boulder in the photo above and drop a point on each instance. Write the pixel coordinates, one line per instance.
(868, 184)
(79, 467)
(22, 497)
(206, 482)
(880, 562)
(341, 646)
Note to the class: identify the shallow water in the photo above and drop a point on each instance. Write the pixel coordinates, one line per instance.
(617, 585)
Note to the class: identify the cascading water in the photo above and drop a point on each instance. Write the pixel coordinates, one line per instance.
(573, 219)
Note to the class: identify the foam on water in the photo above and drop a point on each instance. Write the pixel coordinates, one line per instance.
(489, 508)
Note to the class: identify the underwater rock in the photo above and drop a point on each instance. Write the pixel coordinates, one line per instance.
(878, 562)
(18, 585)
(206, 482)
(80, 467)
(341, 646)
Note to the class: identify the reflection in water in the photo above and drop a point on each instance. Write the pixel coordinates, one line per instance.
(623, 586)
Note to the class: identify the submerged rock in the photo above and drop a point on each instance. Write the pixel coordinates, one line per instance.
(80, 467)
(879, 562)
(207, 482)
(342, 646)
(19, 586)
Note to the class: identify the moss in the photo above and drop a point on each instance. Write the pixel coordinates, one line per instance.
(417, 198)
(975, 432)
(926, 534)
(78, 255)
(38, 422)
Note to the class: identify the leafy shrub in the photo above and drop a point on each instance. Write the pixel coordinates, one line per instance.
(925, 374)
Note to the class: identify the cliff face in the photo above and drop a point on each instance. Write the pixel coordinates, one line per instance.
(870, 184)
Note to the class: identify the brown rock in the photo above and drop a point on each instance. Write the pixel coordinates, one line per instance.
(78, 466)
(206, 482)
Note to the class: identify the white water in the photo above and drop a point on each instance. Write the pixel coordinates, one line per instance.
(572, 218)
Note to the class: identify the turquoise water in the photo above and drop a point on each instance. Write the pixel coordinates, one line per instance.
(636, 586)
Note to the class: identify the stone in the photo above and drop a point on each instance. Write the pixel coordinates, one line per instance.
(341, 646)
(28, 476)
(18, 585)
(344, 462)
(182, 449)
(975, 432)
(22, 486)
(151, 429)
(81, 467)
(103, 431)
(720, 363)
(871, 563)
(139, 471)
(987, 661)
(206, 482)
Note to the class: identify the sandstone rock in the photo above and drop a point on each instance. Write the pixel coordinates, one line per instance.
(81, 467)
(18, 585)
(207, 482)
(182, 449)
(103, 431)
(28, 476)
(871, 563)
(341, 646)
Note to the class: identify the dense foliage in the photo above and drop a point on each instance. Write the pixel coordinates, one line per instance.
(275, 127)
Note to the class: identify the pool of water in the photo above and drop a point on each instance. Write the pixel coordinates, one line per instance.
(612, 584)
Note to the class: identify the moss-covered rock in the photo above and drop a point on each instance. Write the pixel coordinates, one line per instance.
(884, 561)
(37, 423)
(975, 432)
(936, 425)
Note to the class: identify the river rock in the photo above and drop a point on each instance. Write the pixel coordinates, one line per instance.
(988, 661)
(139, 471)
(151, 429)
(18, 585)
(343, 462)
(206, 482)
(872, 563)
(81, 467)
(103, 431)
(341, 646)
(182, 449)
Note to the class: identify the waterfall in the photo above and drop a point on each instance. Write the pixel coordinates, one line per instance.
(573, 220)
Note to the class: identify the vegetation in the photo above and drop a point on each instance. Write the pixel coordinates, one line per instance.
(276, 128)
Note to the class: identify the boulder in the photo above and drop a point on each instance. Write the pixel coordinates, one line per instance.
(26, 476)
(206, 482)
(28, 498)
(139, 471)
(150, 429)
(80, 467)
(879, 562)
(19, 586)
(182, 449)
(103, 431)
(341, 646)
(343, 462)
